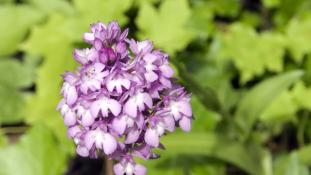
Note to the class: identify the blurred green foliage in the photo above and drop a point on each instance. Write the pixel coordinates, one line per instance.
(247, 63)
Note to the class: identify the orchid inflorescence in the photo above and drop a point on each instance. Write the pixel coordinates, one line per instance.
(122, 99)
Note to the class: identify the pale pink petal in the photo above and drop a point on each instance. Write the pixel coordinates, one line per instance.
(185, 108)
(95, 107)
(169, 123)
(132, 136)
(151, 76)
(114, 106)
(150, 58)
(110, 144)
(118, 169)
(72, 95)
(119, 124)
(130, 108)
(82, 151)
(140, 170)
(167, 71)
(148, 100)
(87, 119)
(185, 124)
(89, 139)
(70, 118)
(152, 138)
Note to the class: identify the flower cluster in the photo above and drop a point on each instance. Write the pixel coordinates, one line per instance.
(122, 99)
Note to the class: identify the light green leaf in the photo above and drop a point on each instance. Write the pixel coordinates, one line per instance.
(3, 139)
(281, 109)
(42, 106)
(284, 107)
(36, 153)
(290, 165)
(271, 3)
(260, 97)
(267, 50)
(166, 27)
(229, 8)
(205, 120)
(15, 22)
(92, 11)
(202, 20)
(18, 75)
(249, 158)
(298, 35)
(50, 6)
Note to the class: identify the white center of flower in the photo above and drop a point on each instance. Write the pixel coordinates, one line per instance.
(160, 128)
(129, 169)
(174, 108)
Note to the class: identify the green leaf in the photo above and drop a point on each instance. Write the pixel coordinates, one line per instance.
(266, 53)
(166, 27)
(3, 140)
(290, 165)
(260, 97)
(41, 107)
(18, 75)
(202, 20)
(298, 36)
(205, 120)
(228, 8)
(50, 6)
(249, 158)
(284, 107)
(92, 11)
(36, 153)
(15, 22)
(271, 3)
(304, 154)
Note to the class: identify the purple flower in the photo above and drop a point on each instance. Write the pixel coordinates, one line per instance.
(92, 77)
(129, 167)
(122, 99)
(101, 140)
(137, 103)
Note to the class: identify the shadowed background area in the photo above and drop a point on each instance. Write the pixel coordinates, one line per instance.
(246, 62)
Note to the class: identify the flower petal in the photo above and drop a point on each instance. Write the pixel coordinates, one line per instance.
(152, 138)
(70, 118)
(132, 136)
(110, 144)
(140, 170)
(185, 108)
(87, 119)
(114, 106)
(119, 124)
(130, 108)
(185, 124)
(82, 151)
(118, 169)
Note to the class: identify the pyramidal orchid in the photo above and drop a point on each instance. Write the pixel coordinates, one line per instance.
(122, 99)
